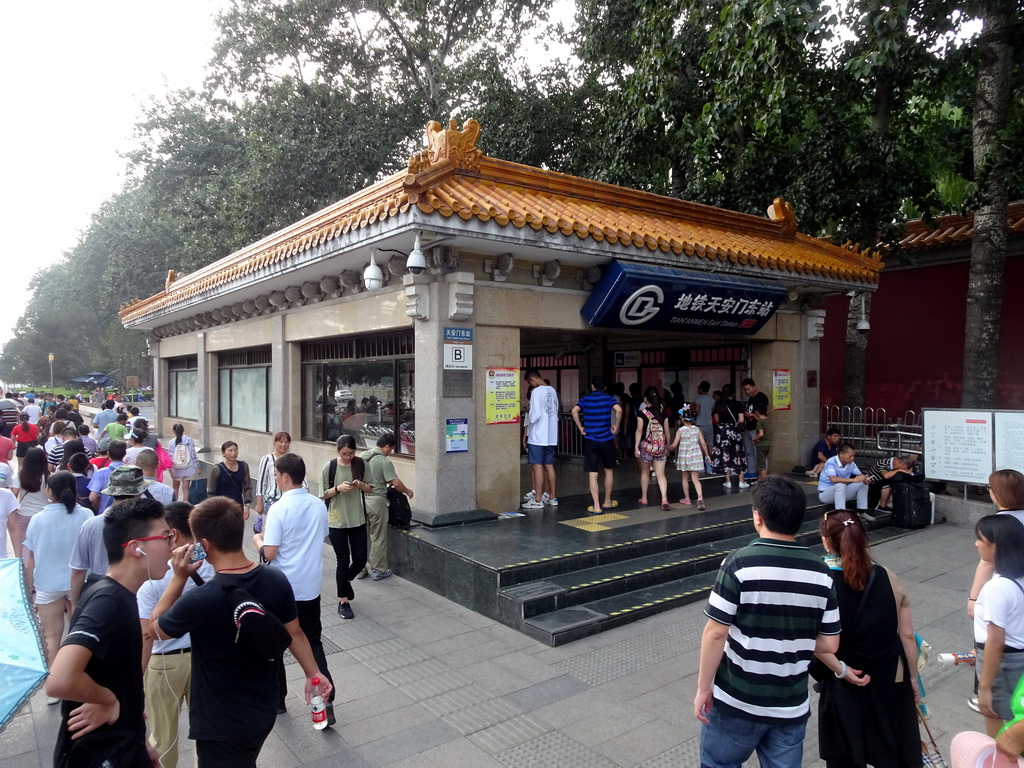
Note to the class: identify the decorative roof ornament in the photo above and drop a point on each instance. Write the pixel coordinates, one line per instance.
(782, 212)
(449, 144)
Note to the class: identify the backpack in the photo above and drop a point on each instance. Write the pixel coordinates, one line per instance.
(181, 458)
(655, 439)
(399, 511)
(259, 630)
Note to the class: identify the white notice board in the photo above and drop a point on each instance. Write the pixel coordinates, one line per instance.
(1010, 440)
(958, 445)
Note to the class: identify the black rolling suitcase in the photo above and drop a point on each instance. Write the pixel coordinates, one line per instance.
(911, 505)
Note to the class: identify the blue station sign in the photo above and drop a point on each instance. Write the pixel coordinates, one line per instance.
(666, 299)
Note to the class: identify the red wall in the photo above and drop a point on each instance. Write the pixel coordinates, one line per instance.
(915, 346)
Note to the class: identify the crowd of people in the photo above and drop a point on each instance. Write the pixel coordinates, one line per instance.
(164, 607)
(778, 614)
(712, 433)
(135, 623)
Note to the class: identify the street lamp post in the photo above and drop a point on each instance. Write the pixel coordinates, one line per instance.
(51, 372)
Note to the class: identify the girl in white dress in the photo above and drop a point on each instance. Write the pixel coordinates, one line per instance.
(691, 450)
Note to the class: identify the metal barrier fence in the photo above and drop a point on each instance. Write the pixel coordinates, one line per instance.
(872, 432)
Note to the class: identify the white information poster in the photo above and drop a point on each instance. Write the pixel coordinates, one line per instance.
(1010, 441)
(958, 446)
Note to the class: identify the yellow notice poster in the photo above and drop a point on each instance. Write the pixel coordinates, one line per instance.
(502, 395)
(781, 389)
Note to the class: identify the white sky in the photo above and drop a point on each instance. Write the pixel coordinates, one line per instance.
(74, 78)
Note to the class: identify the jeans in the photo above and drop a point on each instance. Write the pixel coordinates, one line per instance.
(309, 623)
(837, 494)
(346, 541)
(729, 740)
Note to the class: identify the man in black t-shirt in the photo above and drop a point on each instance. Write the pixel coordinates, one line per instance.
(234, 692)
(98, 669)
(757, 402)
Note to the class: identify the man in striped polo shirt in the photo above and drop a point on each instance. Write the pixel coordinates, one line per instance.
(602, 415)
(772, 608)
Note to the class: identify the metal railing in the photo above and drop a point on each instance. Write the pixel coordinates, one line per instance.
(872, 432)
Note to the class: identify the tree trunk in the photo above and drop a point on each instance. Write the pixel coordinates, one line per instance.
(856, 355)
(988, 244)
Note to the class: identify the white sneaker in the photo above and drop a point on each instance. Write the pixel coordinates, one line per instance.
(546, 497)
(532, 505)
(549, 500)
(530, 496)
(744, 484)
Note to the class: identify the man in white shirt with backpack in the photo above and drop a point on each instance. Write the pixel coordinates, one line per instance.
(293, 542)
(541, 437)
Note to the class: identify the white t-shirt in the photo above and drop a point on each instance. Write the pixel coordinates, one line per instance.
(543, 416)
(31, 503)
(8, 504)
(149, 595)
(51, 537)
(1000, 602)
(298, 524)
(161, 492)
(133, 453)
(34, 412)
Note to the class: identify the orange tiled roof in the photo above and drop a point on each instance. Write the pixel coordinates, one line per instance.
(452, 178)
(949, 231)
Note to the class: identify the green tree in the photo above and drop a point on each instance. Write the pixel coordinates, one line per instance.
(991, 168)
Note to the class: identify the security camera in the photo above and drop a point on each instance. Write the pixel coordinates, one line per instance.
(416, 263)
(851, 294)
(863, 326)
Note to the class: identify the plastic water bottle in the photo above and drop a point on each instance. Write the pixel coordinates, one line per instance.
(958, 658)
(317, 706)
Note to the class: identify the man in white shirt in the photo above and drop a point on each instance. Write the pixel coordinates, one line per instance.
(293, 541)
(841, 480)
(540, 438)
(33, 411)
(167, 663)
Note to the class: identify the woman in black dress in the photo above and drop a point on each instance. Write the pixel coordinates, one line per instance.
(727, 454)
(866, 710)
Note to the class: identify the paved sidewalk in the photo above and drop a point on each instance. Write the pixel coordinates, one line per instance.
(423, 682)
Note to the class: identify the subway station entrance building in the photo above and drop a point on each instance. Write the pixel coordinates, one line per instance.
(523, 268)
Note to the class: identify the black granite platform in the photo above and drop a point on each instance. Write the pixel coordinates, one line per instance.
(561, 574)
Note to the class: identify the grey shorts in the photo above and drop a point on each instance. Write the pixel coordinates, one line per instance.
(1011, 669)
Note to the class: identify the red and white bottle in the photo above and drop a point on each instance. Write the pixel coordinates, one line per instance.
(317, 706)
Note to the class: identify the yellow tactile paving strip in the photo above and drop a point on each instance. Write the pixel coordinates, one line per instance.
(593, 522)
(564, 555)
(653, 569)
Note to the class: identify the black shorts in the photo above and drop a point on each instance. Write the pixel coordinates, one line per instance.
(596, 454)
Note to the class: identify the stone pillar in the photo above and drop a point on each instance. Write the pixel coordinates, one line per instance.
(159, 384)
(445, 482)
(284, 403)
(497, 461)
(206, 391)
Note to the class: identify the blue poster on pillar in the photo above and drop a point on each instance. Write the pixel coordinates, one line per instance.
(662, 298)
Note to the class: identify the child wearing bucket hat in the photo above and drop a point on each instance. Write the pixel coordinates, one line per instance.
(126, 482)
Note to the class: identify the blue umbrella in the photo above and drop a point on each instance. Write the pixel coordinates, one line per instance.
(22, 661)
